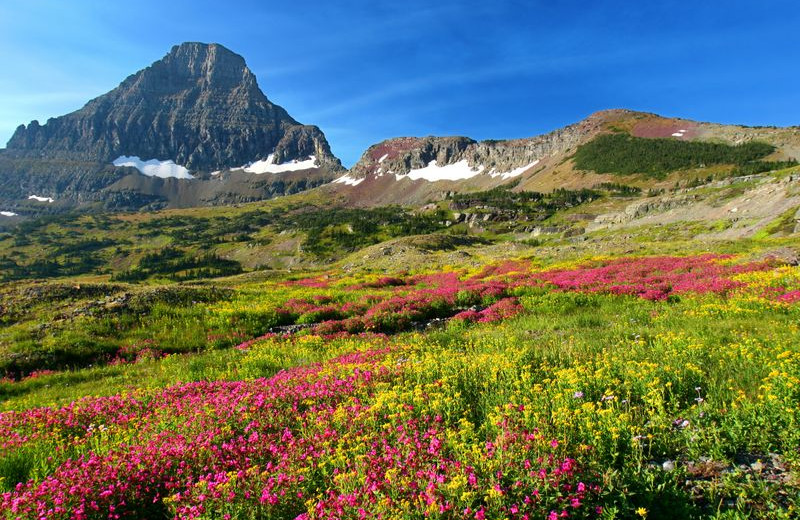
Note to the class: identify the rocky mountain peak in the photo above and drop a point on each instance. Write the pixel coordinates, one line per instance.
(207, 66)
(199, 106)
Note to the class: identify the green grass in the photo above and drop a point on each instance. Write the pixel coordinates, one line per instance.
(651, 356)
(64, 387)
(203, 243)
(783, 225)
(96, 324)
(722, 364)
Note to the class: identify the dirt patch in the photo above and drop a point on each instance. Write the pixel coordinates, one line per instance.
(666, 128)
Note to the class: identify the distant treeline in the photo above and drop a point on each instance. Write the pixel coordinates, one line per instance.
(48, 268)
(624, 154)
(618, 190)
(761, 167)
(55, 246)
(177, 265)
(529, 203)
(331, 230)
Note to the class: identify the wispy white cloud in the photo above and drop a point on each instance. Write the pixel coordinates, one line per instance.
(530, 67)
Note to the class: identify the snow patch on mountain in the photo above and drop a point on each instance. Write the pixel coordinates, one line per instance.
(459, 171)
(8, 213)
(349, 181)
(449, 172)
(154, 167)
(40, 199)
(514, 173)
(268, 165)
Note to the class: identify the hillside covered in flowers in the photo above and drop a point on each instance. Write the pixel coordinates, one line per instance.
(627, 387)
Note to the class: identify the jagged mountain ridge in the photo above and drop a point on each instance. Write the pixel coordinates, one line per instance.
(413, 170)
(200, 107)
(404, 154)
(408, 170)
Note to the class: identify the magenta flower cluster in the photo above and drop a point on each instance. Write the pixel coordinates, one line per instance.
(654, 278)
(488, 295)
(305, 443)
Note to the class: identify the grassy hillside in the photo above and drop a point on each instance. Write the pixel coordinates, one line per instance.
(627, 349)
(196, 244)
(182, 245)
(617, 388)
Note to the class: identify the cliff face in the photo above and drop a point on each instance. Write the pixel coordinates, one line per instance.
(402, 155)
(416, 170)
(200, 106)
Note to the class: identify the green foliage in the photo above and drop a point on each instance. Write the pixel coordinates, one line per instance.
(522, 205)
(618, 190)
(94, 332)
(332, 230)
(187, 230)
(83, 246)
(45, 268)
(189, 244)
(176, 265)
(626, 155)
(784, 224)
(328, 230)
(761, 167)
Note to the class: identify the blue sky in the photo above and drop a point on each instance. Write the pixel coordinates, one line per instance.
(366, 71)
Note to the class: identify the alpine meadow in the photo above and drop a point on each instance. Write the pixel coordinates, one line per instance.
(206, 314)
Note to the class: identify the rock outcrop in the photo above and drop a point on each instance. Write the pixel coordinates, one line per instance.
(403, 154)
(200, 106)
(418, 169)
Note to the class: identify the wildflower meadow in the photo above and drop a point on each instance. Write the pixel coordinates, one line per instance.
(633, 387)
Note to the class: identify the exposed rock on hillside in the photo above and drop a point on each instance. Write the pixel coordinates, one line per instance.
(401, 156)
(199, 107)
(417, 170)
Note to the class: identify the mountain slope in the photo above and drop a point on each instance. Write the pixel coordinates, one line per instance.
(199, 107)
(417, 170)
